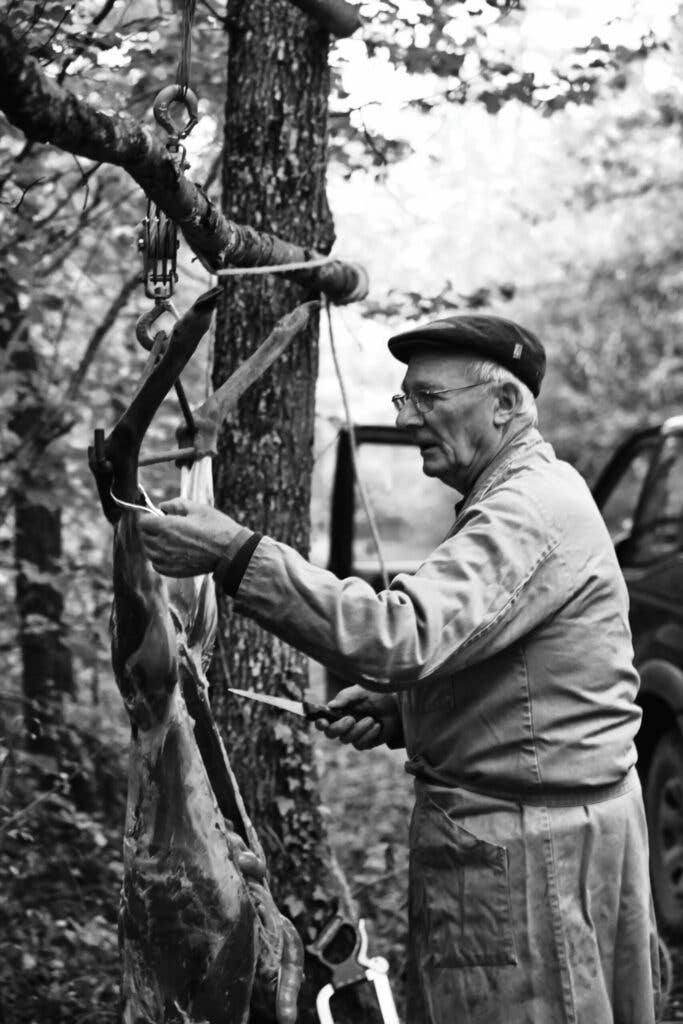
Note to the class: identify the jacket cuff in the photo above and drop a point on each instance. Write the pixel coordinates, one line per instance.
(232, 566)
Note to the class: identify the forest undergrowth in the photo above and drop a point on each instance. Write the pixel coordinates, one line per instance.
(368, 798)
(61, 826)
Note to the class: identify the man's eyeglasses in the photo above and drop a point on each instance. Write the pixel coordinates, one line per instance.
(423, 401)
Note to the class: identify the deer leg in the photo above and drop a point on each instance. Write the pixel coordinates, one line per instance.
(219, 405)
(144, 642)
(115, 465)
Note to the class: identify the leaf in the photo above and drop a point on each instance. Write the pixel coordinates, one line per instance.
(32, 574)
(284, 805)
(294, 906)
(56, 11)
(283, 733)
(16, 16)
(52, 300)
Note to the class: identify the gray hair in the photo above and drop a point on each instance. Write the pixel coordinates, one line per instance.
(484, 371)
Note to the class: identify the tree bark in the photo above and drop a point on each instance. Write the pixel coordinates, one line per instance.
(274, 178)
(45, 112)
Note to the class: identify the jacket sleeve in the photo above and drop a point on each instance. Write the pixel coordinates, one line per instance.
(498, 577)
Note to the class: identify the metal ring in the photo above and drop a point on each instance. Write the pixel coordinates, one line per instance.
(145, 322)
(176, 94)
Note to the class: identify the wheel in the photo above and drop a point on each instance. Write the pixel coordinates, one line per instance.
(664, 810)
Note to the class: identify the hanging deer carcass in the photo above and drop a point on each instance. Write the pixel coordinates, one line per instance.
(200, 935)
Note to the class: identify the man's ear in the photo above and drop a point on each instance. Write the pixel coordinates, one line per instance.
(506, 403)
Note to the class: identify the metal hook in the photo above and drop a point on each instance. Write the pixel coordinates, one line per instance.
(145, 322)
(143, 332)
(176, 94)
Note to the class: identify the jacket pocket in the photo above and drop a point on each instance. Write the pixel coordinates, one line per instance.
(459, 894)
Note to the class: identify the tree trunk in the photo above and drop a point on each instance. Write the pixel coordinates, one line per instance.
(274, 179)
(46, 660)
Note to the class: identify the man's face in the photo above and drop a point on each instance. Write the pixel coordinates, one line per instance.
(458, 437)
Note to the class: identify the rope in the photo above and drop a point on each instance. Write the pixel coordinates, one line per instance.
(369, 514)
(275, 268)
(149, 505)
(183, 73)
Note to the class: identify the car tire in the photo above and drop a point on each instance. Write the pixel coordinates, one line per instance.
(664, 810)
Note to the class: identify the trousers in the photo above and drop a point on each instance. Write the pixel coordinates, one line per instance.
(530, 913)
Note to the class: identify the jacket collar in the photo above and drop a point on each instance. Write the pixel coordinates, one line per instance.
(518, 447)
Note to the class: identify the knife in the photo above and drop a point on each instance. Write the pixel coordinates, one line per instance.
(303, 708)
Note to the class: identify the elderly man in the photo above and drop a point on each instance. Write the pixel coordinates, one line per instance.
(504, 665)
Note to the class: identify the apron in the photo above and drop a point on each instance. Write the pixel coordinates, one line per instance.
(530, 913)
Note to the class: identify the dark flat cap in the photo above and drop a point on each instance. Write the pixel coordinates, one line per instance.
(491, 337)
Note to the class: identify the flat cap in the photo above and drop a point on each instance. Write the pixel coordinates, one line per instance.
(492, 337)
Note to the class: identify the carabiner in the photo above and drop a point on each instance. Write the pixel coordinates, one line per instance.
(176, 94)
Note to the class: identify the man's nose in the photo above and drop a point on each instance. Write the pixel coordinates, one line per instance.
(408, 416)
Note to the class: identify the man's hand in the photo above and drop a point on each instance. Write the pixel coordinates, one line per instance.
(189, 539)
(381, 721)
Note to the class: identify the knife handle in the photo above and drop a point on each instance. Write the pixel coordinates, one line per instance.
(315, 711)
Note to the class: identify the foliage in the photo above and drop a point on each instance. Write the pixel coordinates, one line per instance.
(578, 227)
(60, 872)
(457, 51)
(414, 305)
(368, 798)
(69, 233)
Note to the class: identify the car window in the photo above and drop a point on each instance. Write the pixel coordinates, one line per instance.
(619, 509)
(413, 512)
(658, 531)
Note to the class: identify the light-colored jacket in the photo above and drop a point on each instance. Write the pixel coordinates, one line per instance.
(509, 647)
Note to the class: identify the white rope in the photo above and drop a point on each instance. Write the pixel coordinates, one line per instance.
(275, 268)
(149, 505)
(369, 514)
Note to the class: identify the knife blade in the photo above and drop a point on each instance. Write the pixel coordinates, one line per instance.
(304, 708)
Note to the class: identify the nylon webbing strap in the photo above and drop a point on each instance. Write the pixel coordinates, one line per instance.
(183, 74)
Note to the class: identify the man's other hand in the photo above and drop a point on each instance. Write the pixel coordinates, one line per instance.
(189, 539)
(375, 719)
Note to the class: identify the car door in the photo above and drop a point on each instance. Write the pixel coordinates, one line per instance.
(652, 557)
(411, 514)
(620, 485)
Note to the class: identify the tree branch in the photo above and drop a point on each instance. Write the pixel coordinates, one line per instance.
(98, 336)
(340, 18)
(46, 112)
(97, 20)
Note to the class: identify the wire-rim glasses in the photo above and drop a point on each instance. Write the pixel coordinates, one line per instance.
(423, 401)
